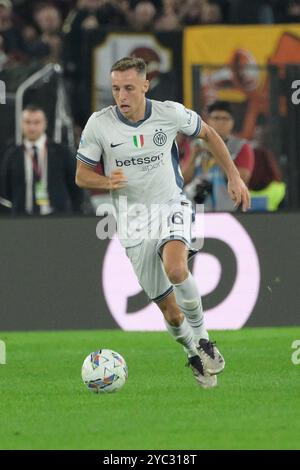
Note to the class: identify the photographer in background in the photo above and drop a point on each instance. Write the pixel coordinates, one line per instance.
(206, 183)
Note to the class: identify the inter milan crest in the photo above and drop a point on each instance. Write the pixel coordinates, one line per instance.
(159, 138)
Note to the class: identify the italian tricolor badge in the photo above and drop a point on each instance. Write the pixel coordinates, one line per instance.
(138, 141)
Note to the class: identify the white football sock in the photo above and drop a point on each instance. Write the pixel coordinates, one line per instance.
(189, 302)
(183, 334)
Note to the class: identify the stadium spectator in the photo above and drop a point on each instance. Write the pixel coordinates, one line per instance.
(207, 182)
(211, 13)
(186, 149)
(38, 176)
(190, 12)
(143, 16)
(157, 3)
(266, 185)
(292, 12)
(11, 45)
(168, 19)
(48, 19)
(43, 36)
(24, 9)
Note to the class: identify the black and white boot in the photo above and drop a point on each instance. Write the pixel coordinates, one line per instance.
(212, 360)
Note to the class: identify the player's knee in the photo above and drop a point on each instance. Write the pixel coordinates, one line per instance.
(177, 274)
(191, 304)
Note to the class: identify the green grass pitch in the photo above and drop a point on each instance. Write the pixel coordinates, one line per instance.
(44, 404)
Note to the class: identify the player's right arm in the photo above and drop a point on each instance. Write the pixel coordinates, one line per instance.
(87, 178)
(88, 155)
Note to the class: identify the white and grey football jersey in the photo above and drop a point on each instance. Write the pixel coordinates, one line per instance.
(146, 151)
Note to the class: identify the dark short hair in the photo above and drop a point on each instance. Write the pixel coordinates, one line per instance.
(220, 106)
(127, 63)
(33, 108)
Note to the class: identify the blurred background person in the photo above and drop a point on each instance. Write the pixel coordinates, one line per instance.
(190, 13)
(48, 20)
(206, 182)
(186, 148)
(11, 44)
(143, 16)
(39, 175)
(211, 13)
(42, 35)
(168, 19)
(266, 186)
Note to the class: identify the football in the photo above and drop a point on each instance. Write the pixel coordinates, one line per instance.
(104, 371)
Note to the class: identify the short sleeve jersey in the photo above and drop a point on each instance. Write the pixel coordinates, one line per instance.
(146, 151)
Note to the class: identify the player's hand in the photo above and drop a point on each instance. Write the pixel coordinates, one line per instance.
(239, 193)
(117, 180)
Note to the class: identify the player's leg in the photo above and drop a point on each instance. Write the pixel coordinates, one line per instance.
(175, 260)
(181, 331)
(175, 257)
(153, 279)
(177, 325)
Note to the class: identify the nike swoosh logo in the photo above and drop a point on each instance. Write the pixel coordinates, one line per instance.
(117, 145)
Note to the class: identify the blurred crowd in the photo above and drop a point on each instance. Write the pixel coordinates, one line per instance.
(37, 177)
(43, 31)
(205, 182)
(36, 29)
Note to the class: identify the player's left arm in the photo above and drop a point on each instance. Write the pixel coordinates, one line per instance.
(245, 163)
(236, 187)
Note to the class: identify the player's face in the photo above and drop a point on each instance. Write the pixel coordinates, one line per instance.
(33, 124)
(222, 122)
(128, 89)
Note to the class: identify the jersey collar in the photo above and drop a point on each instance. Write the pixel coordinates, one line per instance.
(138, 123)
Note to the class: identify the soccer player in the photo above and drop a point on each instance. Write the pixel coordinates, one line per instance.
(136, 140)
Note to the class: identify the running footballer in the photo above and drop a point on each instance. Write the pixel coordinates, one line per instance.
(136, 141)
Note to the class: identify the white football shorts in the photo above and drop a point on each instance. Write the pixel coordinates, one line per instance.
(174, 224)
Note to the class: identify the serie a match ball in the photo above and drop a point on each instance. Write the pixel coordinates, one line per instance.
(104, 371)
